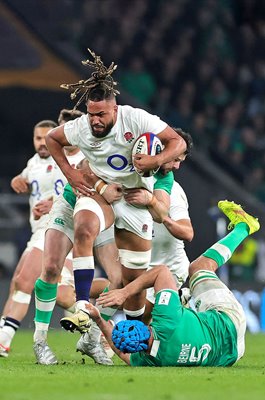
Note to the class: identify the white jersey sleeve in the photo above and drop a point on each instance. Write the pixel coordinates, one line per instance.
(142, 121)
(166, 249)
(25, 173)
(179, 203)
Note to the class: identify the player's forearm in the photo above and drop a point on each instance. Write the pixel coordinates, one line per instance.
(157, 209)
(181, 229)
(158, 204)
(144, 281)
(173, 148)
(107, 329)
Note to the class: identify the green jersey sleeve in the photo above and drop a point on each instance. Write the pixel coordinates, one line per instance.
(142, 359)
(164, 182)
(69, 195)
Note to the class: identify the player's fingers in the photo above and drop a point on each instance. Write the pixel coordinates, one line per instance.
(82, 189)
(108, 304)
(102, 301)
(104, 294)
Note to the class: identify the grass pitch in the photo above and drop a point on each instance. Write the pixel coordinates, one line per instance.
(78, 377)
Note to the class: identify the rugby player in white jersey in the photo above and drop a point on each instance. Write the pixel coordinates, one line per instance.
(106, 136)
(60, 230)
(44, 181)
(39, 179)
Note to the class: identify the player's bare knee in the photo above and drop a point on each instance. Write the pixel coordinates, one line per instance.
(202, 263)
(23, 284)
(51, 271)
(85, 235)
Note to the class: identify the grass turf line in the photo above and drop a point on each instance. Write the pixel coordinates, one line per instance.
(77, 375)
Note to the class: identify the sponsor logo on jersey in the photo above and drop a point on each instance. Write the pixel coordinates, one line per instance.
(164, 298)
(95, 144)
(128, 136)
(59, 221)
(49, 168)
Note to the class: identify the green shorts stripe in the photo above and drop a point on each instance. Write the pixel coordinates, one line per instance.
(45, 301)
(204, 275)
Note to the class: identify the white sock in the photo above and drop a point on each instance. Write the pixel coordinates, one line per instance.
(41, 332)
(6, 335)
(2, 321)
(81, 305)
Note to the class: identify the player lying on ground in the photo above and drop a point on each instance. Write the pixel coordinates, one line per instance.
(214, 336)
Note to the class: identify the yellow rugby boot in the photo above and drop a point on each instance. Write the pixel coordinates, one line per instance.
(236, 214)
(79, 321)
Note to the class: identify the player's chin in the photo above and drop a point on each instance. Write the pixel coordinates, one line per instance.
(164, 171)
(44, 153)
(100, 132)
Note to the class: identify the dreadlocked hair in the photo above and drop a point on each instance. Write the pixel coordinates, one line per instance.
(99, 86)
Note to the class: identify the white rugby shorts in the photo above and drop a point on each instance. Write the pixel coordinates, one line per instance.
(61, 219)
(137, 220)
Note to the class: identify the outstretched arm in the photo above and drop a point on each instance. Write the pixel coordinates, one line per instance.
(107, 329)
(158, 277)
(181, 229)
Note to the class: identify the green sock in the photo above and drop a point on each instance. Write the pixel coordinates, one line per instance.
(107, 312)
(45, 299)
(224, 248)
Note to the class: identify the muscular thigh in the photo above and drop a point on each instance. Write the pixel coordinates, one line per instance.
(99, 212)
(56, 249)
(133, 219)
(130, 241)
(210, 293)
(61, 218)
(30, 270)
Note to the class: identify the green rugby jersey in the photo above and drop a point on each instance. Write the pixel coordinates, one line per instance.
(183, 337)
(164, 182)
(69, 195)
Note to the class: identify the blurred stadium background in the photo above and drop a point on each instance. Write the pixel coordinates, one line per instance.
(199, 65)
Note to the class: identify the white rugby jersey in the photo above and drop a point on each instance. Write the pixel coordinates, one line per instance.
(166, 249)
(110, 157)
(59, 178)
(46, 181)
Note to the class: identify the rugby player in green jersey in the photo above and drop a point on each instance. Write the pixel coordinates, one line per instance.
(177, 336)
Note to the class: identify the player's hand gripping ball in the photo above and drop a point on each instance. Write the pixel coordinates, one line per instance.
(148, 143)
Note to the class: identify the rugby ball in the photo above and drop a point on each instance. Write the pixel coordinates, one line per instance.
(148, 143)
